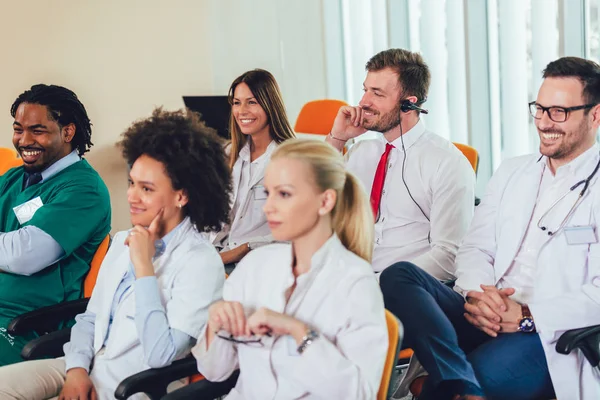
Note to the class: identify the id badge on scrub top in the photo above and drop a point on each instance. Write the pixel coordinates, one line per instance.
(25, 211)
(580, 234)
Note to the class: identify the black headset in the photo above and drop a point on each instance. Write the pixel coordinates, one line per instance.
(408, 105)
(405, 107)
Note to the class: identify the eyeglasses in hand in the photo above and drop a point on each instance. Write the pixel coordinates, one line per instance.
(256, 342)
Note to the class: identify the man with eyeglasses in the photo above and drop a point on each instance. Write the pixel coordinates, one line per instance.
(527, 271)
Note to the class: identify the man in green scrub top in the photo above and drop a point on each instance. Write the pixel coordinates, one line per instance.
(54, 210)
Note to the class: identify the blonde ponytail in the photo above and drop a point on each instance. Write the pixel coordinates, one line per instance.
(352, 217)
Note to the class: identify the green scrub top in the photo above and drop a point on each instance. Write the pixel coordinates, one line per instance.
(76, 213)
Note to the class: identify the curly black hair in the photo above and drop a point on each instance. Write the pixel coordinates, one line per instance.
(64, 108)
(194, 159)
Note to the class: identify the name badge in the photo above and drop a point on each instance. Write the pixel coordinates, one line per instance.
(580, 235)
(259, 192)
(25, 211)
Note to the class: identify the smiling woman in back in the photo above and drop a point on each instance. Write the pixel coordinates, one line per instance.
(258, 124)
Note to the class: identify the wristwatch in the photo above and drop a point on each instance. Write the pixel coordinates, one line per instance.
(311, 336)
(526, 323)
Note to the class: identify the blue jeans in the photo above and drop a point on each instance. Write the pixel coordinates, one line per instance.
(459, 358)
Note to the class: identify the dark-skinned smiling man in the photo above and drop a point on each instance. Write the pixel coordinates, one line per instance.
(54, 210)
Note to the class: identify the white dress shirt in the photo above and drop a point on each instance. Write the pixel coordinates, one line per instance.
(248, 221)
(441, 181)
(339, 298)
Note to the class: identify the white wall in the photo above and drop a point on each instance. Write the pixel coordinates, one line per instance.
(283, 37)
(123, 58)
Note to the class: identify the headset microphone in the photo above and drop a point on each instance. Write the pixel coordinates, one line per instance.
(408, 105)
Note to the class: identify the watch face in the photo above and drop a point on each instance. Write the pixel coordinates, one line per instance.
(526, 325)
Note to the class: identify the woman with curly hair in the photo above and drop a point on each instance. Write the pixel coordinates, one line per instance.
(152, 295)
(258, 124)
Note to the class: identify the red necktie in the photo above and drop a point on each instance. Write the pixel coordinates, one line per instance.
(377, 187)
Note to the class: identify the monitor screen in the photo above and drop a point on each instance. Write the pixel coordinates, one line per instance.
(215, 111)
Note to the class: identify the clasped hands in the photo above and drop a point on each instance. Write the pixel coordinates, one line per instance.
(493, 311)
(230, 316)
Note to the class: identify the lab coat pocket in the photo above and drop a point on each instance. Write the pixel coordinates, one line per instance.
(123, 335)
(258, 199)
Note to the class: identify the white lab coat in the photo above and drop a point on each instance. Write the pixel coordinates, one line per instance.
(190, 276)
(249, 224)
(567, 283)
(339, 297)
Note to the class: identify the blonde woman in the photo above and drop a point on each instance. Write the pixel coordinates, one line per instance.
(258, 123)
(306, 319)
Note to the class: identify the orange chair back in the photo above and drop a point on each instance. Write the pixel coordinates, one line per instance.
(316, 117)
(8, 159)
(470, 153)
(90, 279)
(395, 339)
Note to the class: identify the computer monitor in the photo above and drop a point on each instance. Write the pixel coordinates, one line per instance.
(215, 111)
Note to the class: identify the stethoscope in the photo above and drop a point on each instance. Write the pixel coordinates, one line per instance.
(586, 183)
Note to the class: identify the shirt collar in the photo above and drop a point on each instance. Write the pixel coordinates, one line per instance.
(61, 164)
(161, 244)
(245, 151)
(411, 136)
(322, 256)
(578, 165)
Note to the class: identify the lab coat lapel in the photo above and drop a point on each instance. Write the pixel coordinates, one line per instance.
(109, 284)
(236, 176)
(518, 211)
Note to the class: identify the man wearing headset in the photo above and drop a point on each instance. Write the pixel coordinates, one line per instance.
(529, 268)
(421, 185)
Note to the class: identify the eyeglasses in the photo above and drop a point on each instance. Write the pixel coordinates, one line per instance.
(556, 114)
(250, 342)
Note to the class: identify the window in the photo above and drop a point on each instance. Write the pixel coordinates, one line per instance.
(486, 59)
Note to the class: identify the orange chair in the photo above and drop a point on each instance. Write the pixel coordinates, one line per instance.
(316, 117)
(395, 334)
(92, 276)
(46, 320)
(8, 159)
(471, 155)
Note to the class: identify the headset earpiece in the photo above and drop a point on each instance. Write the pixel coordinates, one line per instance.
(408, 105)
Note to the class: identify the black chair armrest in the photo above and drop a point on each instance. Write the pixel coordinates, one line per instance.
(47, 346)
(204, 390)
(585, 339)
(46, 319)
(153, 382)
